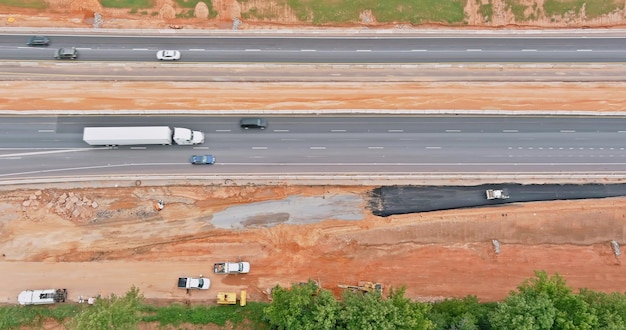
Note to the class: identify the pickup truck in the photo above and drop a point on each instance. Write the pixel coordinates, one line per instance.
(194, 283)
(241, 267)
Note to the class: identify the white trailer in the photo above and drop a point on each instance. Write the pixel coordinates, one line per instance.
(42, 297)
(121, 136)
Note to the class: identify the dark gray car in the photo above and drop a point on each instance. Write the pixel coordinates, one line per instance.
(247, 123)
(66, 53)
(38, 41)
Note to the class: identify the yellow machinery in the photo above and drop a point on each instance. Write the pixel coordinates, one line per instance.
(230, 298)
(227, 298)
(364, 286)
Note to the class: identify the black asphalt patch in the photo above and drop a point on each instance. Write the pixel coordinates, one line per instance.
(390, 200)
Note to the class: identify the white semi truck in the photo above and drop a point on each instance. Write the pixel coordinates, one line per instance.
(124, 136)
(42, 297)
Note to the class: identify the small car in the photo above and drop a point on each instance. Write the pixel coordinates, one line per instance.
(168, 55)
(38, 41)
(247, 123)
(202, 160)
(66, 53)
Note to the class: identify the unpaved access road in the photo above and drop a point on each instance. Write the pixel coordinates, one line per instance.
(104, 240)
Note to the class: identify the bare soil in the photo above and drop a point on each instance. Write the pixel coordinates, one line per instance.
(101, 241)
(598, 96)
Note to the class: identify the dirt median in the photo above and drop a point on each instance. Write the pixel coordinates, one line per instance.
(104, 96)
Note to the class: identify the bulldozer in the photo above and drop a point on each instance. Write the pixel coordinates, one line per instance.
(364, 286)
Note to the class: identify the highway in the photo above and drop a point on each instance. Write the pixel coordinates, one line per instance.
(478, 49)
(53, 146)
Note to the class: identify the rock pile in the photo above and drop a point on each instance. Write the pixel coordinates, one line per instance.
(68, 205)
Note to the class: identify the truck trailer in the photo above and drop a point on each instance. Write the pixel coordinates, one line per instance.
(42, 297)
(123, 136)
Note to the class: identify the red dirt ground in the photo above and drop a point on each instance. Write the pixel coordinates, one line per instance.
(435, 254)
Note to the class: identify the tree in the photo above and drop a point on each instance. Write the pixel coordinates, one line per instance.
(461, 314)
(302, 307)
(370, 312)
(544, 302)
(111, 313)
(610, 308)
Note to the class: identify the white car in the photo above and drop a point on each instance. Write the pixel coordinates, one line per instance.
(168, 55)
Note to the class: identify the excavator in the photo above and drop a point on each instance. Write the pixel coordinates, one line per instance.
(364, 286)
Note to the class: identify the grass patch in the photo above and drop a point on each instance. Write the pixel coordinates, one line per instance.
(486, 11)
(517, 9)
(186, 14)
(192, 4)
(593, 9)
(197, 315)
(35, 4)
(137, 4)
(388, 11)
(16, 317)
(189, 3)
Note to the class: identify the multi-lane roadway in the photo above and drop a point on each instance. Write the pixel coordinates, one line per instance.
(53, 146)
(326, 49)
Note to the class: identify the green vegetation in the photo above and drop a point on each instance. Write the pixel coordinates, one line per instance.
(190, 3)
(517, 8)
(389, 11)
(593, 8)
(486, 11)
(541, 302)
(177, 314)
(14, 317)
(111, 313)
(186, 14)
(139, 4)
(35, 4)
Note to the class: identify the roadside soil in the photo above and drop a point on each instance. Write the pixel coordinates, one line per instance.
(102, 241)
(598, 96)
(273, 14)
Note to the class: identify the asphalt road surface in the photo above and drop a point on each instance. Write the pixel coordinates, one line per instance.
(387, 201)
(326, 49)
(53, 146)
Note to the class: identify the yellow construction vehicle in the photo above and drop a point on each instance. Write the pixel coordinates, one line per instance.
(364, 286)
(227, 298)
(230, 298)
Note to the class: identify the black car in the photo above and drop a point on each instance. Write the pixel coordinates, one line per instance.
(247, 123)
(38, 41)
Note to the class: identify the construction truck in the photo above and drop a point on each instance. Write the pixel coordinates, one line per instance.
(230, 298)
(42, 297)
(364, 286)
(497, 194)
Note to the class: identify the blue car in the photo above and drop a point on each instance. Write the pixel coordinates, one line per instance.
(202, 159)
